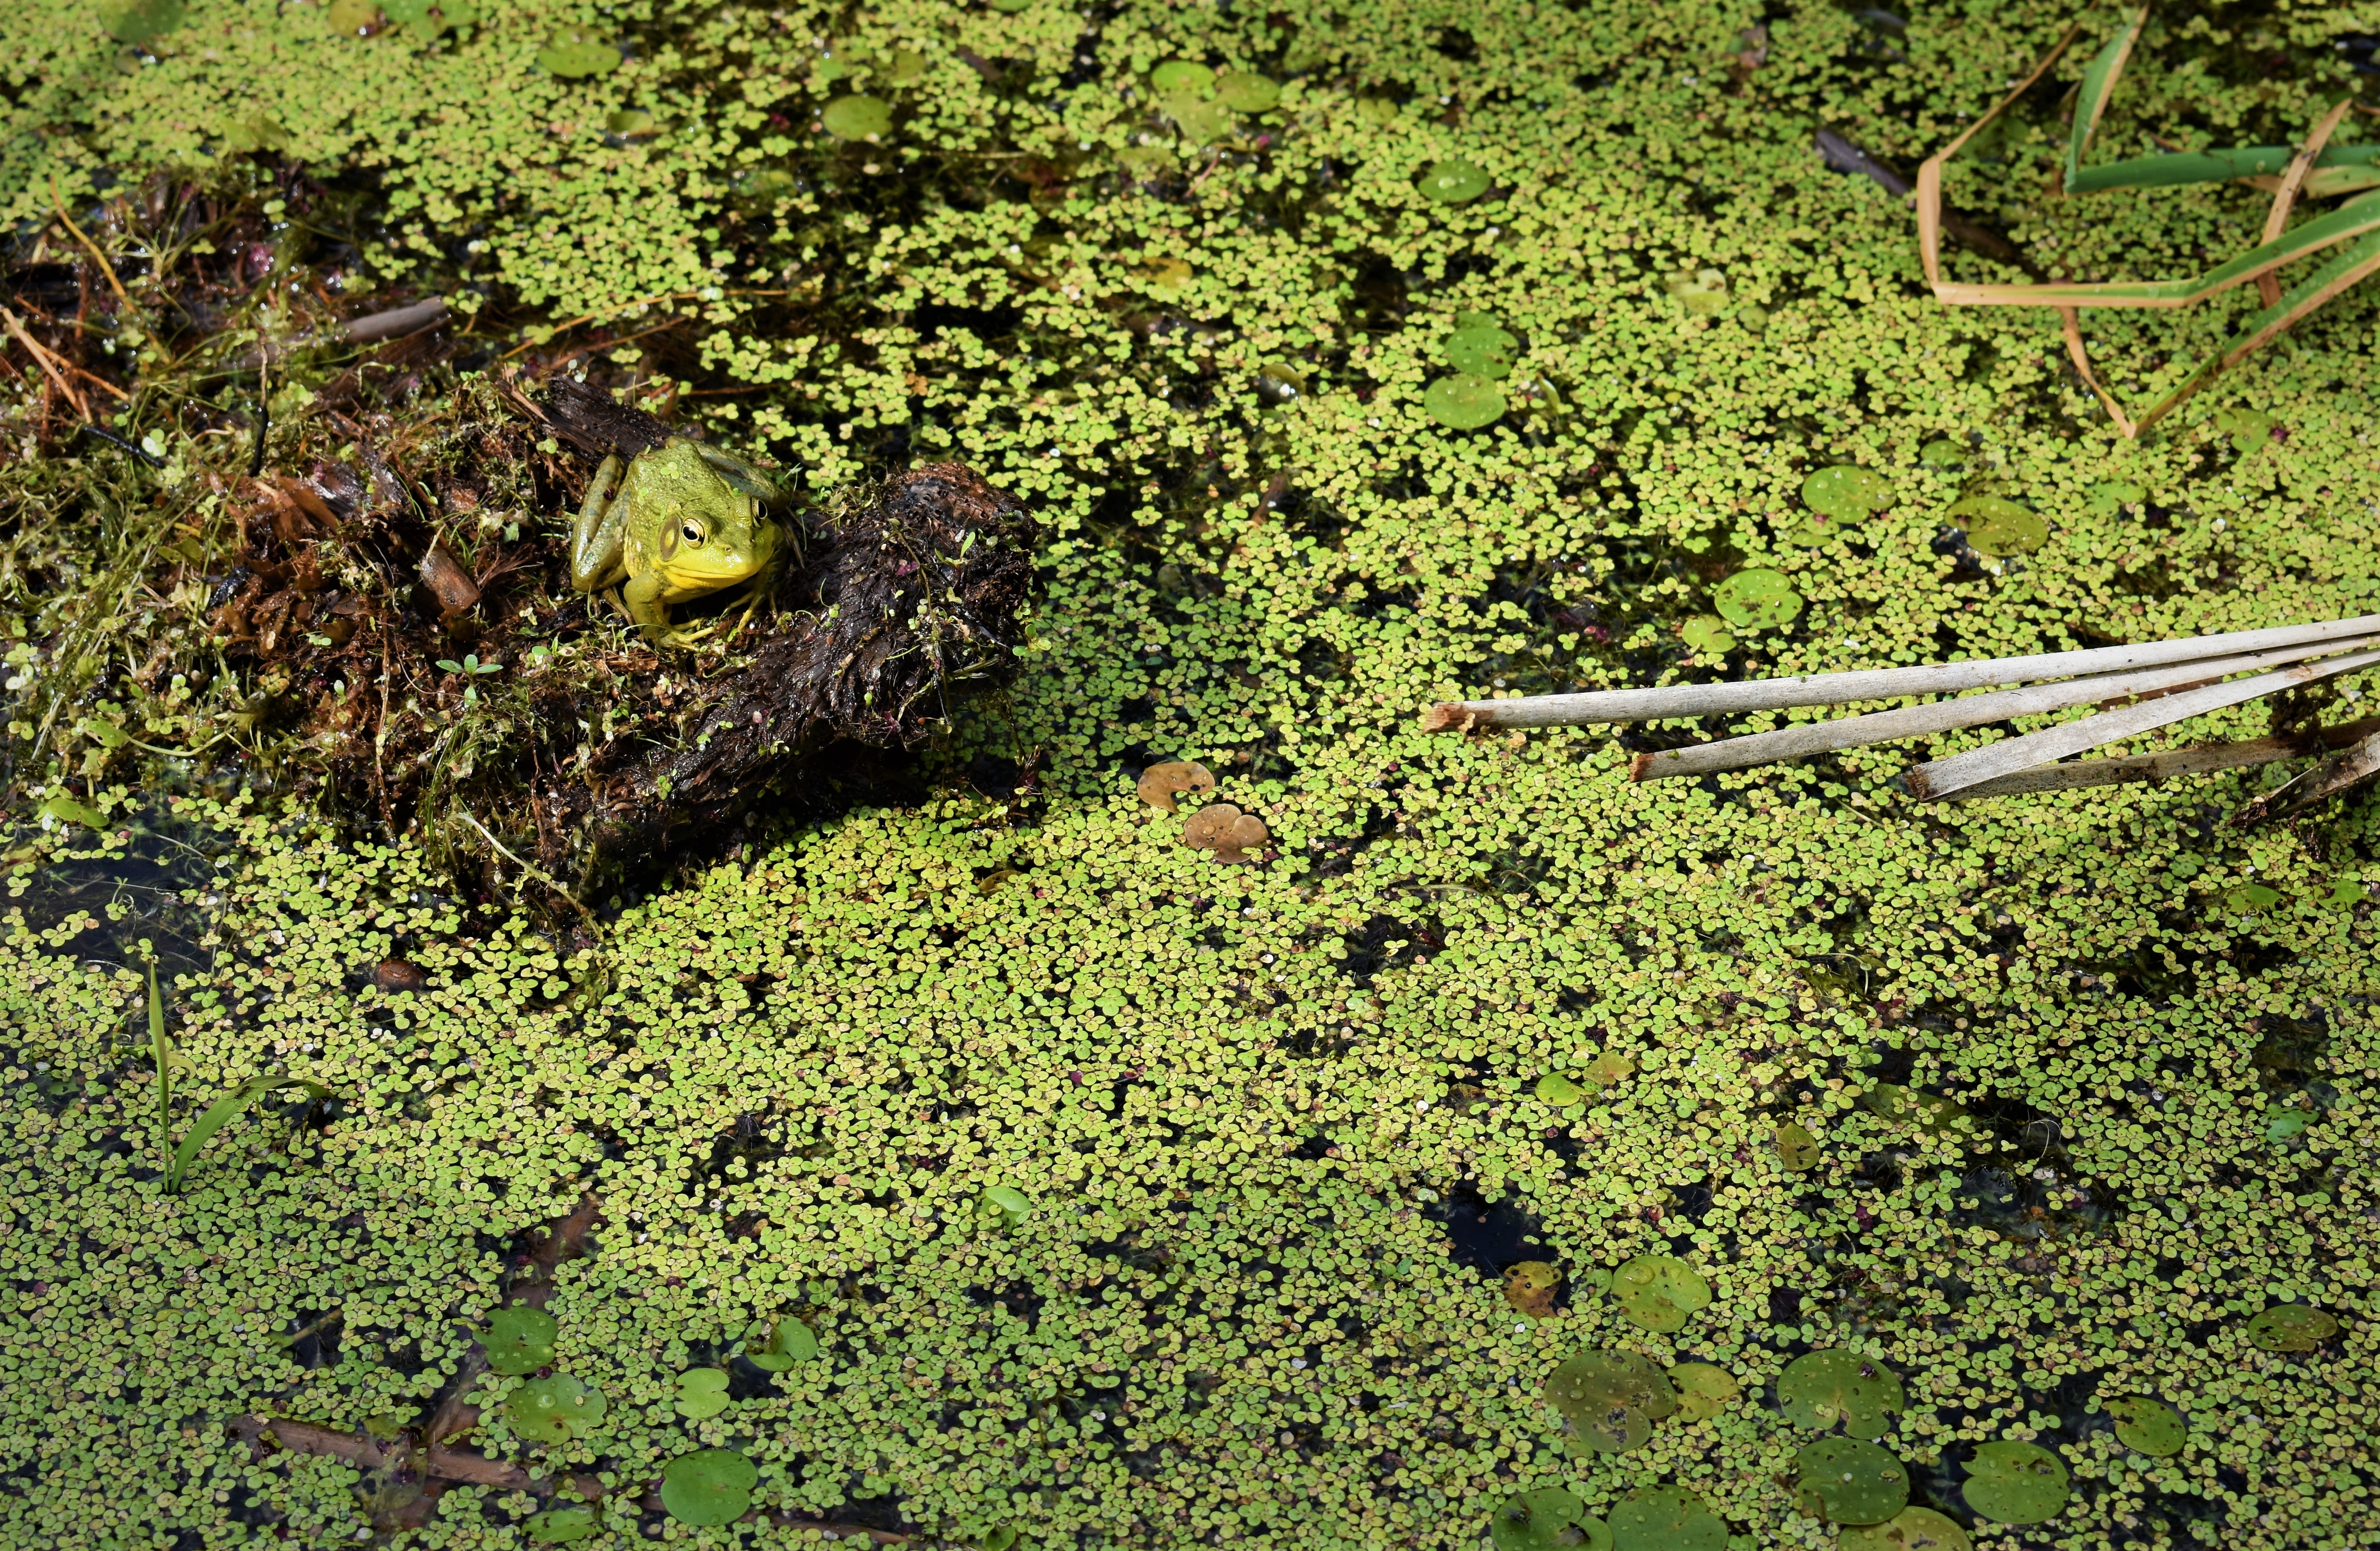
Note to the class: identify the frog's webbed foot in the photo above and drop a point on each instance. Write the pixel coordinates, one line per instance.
(597, 537)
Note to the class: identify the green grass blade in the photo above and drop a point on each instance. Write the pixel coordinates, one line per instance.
(2209, 166)
(164, 1056)
(222, 1113)
(2098, 85)
(2357, 263)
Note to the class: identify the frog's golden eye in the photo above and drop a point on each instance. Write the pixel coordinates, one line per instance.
(691, 533)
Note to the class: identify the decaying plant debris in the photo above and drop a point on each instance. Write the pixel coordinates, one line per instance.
(390, 588)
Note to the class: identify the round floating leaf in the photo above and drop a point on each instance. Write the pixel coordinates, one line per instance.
(1483, 350)
(2290, 1327)
(1702, 292)
(2013, 1482)
(140, 20)
(858, 118)
(430, 17)
(1607, 1068)
(2106, 499)
(1912, 1529)
(2148, 1426)
(1530, 1520)
(560, 1526)
(1942, 453)
(1464, 402)
(774, 1346)
(1453, 181)
(1247, 91)
(1758, 599)
(1848, 1482)
(1659, 1293)
(904, 65)
(709, 1486)
(1006, 1203)
(1797, 1149)
(1610, 1399)
(2284, 1125)
(574, 52)
(1995, 526)
(1183, 79)
(353, 18)
(1667, 1518)
(1560, 1091)
(1203, 122)
(66, 809)
(1162, 782)
(1833, 1386)
(701, 1393)
(554, 1410)
(1529, 1287)
(627, 122)
(1708, 634)
(2251, 899)
(1704, 1390)
(1847, 492)
(519, 1340)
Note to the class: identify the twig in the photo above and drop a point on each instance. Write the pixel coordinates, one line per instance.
(540, 873)
(1843, 689)
(89, 429)
(1944, 778)
(105, 268)
(2204, 760)
(1920, 721)
(395, 321)
(44, 359)
(2333, 776)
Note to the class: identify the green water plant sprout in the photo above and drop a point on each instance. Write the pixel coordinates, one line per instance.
(2313, 168)
(218, 1114)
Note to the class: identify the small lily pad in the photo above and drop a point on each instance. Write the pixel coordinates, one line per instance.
(1529, 1287)
(1560, 1091)
(1758, 599)
(1797, 1149)
(774, 1346)
(574, 53)
(1483, 350)
(140, 20)
(1610, 1399)
(1005, 1204)
(1247, 91)
(904, 65)
(560, 1526)
(1912, 1529)
(353, 18)
(2106, 499)
(1453, 181)
(2013, 1482)
(858, 118)
(1183, 79)
(1531, 1521)
(1847, 492)
(519, 1340)
(1701, 292)
(628, 123)
(1205, 123)
(2251, 899)
(1465, 401)
(1942, 453)
(1708, 634)
(1834, 1386)
(709, 1486)
(701, 1393)
(2148, 1426)
(2282, 1124)
(2290, 1327)
(1704, 1389)
(1848, 1481)
(1659, 1293)
(2000, 528)
(2249, 429)
(554, 1410)
(1608, 1069)
(1666, 1518)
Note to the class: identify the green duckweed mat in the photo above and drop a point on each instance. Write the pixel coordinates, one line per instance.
(1034, 1180)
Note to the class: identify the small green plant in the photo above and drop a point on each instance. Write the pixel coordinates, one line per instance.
(470, 667)
(222, 1113)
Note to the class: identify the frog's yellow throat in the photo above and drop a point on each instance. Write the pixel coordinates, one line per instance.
(686, 558)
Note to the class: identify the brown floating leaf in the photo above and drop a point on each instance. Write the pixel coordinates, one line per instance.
(1530, 1286)
(396, 974)
(1223, 829)
(1160, 784)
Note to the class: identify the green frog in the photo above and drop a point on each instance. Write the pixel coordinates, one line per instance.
(686, 520)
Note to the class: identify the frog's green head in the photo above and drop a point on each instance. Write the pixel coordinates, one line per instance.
(702, 519)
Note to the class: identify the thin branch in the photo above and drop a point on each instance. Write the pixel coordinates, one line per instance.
(1920, 721)
(2203, 760)
(92, 248)
(1841, 689)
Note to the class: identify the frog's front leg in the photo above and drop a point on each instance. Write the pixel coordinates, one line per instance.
(643, 596)
(596, 537)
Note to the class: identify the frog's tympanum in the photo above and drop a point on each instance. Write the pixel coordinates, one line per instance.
(686, 520)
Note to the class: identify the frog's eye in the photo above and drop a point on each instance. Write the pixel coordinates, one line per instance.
(691, 532)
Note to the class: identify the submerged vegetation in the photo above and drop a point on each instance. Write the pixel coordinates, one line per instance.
(1180, 1102)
